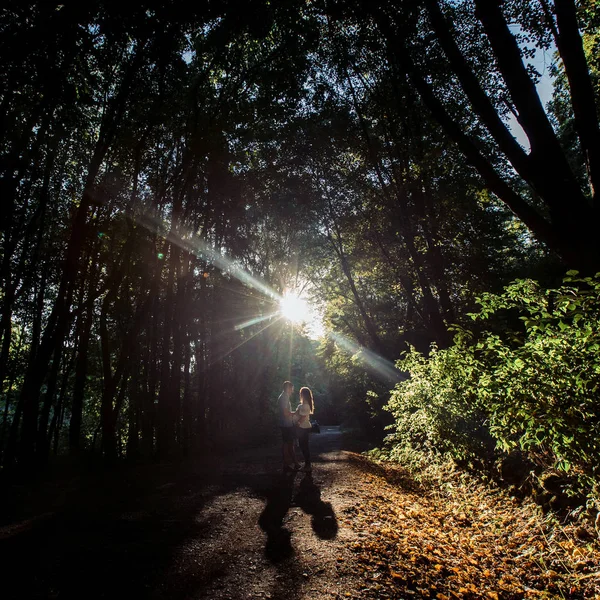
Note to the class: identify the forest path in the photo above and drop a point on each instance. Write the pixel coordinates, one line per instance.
(230, 528)
(234, 528)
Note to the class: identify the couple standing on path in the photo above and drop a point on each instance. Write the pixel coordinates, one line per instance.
(295, 424)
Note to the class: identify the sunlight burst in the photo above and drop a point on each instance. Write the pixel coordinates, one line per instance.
(294, 309)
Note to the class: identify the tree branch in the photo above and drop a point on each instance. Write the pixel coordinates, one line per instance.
(571, 51)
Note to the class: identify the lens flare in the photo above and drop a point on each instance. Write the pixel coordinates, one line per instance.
(294, 309)
(378, 366)
(254, 321)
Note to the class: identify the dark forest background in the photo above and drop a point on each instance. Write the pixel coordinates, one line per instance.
(168, 170)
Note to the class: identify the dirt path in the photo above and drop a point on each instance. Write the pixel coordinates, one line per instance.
(233, 529)
(236, 528)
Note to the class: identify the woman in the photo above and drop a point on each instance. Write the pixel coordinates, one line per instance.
(303, 412)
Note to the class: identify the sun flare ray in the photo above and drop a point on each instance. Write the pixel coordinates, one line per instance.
(373, 362)
(254, 321)
(294, 308)
(234, 348)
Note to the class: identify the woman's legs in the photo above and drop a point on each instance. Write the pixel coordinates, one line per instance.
(303, 443)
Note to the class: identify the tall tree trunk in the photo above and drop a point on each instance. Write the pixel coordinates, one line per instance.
(134, 407)
(571, 227)
(56, 327)
(117, 380)
(81, 367)
(571, 51)
(13, 441)
(10, 285)
(82, 335)
(7, 402)
(43, 443)
(149, 414)
(165, 432)
(186, 420)
(546, 154)
(178, 341)
(59, 410)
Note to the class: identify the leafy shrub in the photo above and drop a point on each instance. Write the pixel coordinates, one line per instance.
(435, 410)
(530, 377)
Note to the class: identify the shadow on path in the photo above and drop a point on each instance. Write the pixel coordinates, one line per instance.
(280, 498)
(102, 548)
(163, 531)
(308, 498)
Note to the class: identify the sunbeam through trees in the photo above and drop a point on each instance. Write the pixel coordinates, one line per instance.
(201, 201)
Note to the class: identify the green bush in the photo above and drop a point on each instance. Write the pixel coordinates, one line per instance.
(528, 374)
(435, 411)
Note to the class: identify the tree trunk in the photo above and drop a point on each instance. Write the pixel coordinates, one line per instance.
(56, 327)
(117, 380)
(13, 442)
(165, 432)
(186, 420)
(149, 413)
(81, 367)
(571, 51)
(57, 417)
(571, 229)
(134, 408)
(43, 439)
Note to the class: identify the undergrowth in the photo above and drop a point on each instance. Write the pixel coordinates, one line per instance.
(522, 380)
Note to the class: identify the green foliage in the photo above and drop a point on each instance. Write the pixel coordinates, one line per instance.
(436, 410)
(540, 385)
(141, 143)
(530, 377)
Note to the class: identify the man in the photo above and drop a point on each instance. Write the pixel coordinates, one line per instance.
(286, 422)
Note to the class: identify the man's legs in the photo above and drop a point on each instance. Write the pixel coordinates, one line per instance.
(284, 448)
(303, 443)
(289, 456)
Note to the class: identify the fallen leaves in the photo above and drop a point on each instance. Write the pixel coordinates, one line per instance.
(463, 540)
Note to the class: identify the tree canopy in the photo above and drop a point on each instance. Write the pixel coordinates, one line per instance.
(168, 172)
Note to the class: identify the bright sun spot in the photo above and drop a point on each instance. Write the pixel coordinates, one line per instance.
(294, 309)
